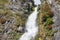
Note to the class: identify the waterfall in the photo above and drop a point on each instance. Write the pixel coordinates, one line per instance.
(31, 27)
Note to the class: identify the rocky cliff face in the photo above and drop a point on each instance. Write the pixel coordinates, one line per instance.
(55, 6)
(13, 15)
(21, 5)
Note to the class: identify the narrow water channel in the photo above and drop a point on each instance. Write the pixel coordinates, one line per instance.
(31, 27)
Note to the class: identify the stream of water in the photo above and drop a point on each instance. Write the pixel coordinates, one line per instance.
(31, 27)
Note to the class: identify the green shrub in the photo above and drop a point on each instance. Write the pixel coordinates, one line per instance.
(48, 21)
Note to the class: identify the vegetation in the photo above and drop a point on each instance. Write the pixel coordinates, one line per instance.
(14, 36)
(3, 1)
(11, 20)
(19, 20)
(45, 22)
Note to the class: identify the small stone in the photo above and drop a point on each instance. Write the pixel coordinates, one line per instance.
(20, 29)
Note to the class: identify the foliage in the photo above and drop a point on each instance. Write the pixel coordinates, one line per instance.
(13, 19)
(45, 22)
(3, 1)
(19, 19)
(14, 36)
(48, 21)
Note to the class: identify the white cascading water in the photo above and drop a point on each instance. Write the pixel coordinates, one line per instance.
(31, 27)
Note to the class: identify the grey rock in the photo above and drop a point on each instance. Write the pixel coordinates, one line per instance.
(57, 36)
